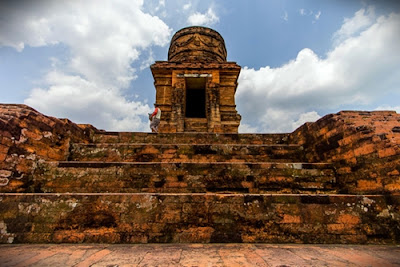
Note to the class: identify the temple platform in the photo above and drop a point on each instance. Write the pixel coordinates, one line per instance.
(335, 181)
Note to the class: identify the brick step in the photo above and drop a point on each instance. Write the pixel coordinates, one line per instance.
(183, 177)
(201, 218)
(127, 152)
(195, 125)
(189, 138)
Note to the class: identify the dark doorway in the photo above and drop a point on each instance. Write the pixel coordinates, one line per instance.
(195, 97)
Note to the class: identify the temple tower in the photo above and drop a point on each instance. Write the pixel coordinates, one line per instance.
(196, 87)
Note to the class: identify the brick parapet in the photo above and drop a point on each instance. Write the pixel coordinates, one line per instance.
(27, 136)
(364, 147)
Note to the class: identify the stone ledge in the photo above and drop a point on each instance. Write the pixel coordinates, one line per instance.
(278, 196)
(183, 144)
(277, 165)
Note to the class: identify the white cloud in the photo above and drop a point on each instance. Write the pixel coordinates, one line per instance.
(74, 97)
(161, 3)
(187, 6)
(357, 70)
(146, 63)
(317, 15)
(306, 117)
(352, 26)
(160, 8)
(285, 16)
(207, 19)
(103, 41)
(245, 128)
(386, 107)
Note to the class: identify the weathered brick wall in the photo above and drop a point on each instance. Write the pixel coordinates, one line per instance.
(27, 136)
(142, 218)
(364, 146)
(116, 200)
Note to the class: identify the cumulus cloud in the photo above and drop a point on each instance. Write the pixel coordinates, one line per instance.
(103, 41)
(245, 128)
(207, 19)
(74, 97)
(357, 70)
(352, 26)
(305, 117)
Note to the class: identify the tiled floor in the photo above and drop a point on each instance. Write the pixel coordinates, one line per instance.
(198, 255)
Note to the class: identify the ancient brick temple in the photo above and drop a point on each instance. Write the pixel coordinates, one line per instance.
(196, 87)
(336, 180)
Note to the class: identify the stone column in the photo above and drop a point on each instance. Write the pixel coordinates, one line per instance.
(214, 116)
(178, 95)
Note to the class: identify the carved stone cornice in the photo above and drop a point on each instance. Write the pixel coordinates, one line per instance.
(165, 65)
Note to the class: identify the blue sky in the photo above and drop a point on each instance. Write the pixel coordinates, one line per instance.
(301, 59)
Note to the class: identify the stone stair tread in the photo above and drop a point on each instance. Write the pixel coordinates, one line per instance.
(184, 144)
(256, 177)
(197, 194)
(308, 198)
(191, 163)
(188, 137)
(94, 164)
(99, 132)
(180, 152)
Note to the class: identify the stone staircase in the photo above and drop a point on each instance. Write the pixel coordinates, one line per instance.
(186, 163)
(190, 187)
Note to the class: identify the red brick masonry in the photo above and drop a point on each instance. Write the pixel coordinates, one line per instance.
(363, 146)
(332, 181)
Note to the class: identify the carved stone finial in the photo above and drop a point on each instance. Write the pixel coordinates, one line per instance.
(197, 44)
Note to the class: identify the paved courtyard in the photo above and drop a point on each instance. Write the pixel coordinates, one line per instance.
(198, 255)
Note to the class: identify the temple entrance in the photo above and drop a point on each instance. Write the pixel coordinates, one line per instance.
(196, 87)
(195, 98)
